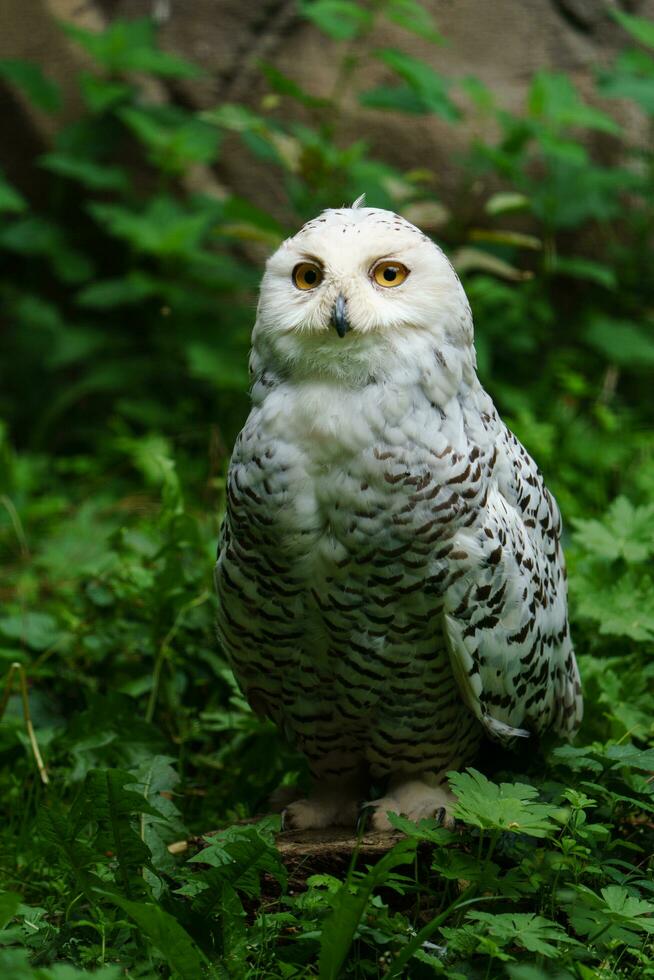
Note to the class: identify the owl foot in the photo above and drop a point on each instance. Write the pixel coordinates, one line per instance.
(318, 812)
(416, 800)
(280, 798)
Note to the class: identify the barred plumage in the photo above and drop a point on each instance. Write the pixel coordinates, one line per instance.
(390, 576)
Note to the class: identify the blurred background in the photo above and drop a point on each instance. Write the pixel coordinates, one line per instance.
(152, 154)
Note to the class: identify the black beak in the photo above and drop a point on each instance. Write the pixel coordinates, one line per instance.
(339, 317)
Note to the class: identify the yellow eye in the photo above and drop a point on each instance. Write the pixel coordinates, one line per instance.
(389, 273)
(307, 275)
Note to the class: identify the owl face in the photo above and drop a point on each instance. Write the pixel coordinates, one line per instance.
(356, 285)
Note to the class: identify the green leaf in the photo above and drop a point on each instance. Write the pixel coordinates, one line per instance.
(622, 607)
(10, 199)
(576, 267)
(175, 139)
(31, 80)
(349, 906)
(507, 806)
(163, 228)
(630, 755)
(284, 85)
(167, 935)
(631, 77)
(341, 20)
(130, 46)
(522, 929)
(238, 857)
(613, 916)
(553, 97)
(112, 293)
(33, 235)
(412, 16)
(624, 532)
(102, 94)
(427, 85)
(61, 836)
(398, 98)
(36, 629)
(106, 800)
(630, 345)
(425, 830)
(223, 368)
(640, 28)
(9, 902)
(95, 176)
(78, 546)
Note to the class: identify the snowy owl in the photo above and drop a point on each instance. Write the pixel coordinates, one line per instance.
(390, 578)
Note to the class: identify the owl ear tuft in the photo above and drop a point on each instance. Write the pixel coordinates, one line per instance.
(360, 201)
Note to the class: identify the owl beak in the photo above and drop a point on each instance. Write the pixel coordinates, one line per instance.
(340, 321)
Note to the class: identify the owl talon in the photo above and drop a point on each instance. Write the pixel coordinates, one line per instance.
(363, 820)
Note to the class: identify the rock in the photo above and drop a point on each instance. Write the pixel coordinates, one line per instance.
(502, 44)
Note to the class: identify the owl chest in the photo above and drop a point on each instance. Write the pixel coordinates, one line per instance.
(345, 496)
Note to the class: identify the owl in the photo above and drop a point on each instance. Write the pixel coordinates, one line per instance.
(390, 577)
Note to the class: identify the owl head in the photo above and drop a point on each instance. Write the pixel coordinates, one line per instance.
(359, 291)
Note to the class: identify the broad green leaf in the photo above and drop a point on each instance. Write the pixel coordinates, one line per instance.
(106, 801)
(10, 199)
(397, 98)
(624, 532)
(238, 857)
(412, 16)
(428, 830)
(508, 806)
(224, 369)
(62, 836)
(164, 228)
(174, 139)
(78, 547)
(553, 97)
(577, 758)
(102, 94)
(640, 28)
(622, 607)
(576, 267)
(342, 20)
(111, 293)
(37, 630)
(9, 902)
(93, 175)
(349, 906)
(168, 936)
(30, 79)
(630, 345)
(630, 755)
(612, 916)
(283, 85)
(427, 84)
(523, 929)
(131, 46)
(631, 77)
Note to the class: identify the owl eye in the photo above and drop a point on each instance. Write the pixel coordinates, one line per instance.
(389, 273)
(307, 275)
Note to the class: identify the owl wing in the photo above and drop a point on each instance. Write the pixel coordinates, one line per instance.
(505, 610)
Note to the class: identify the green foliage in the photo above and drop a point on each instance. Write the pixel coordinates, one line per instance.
(508, 807)
(127, 298)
